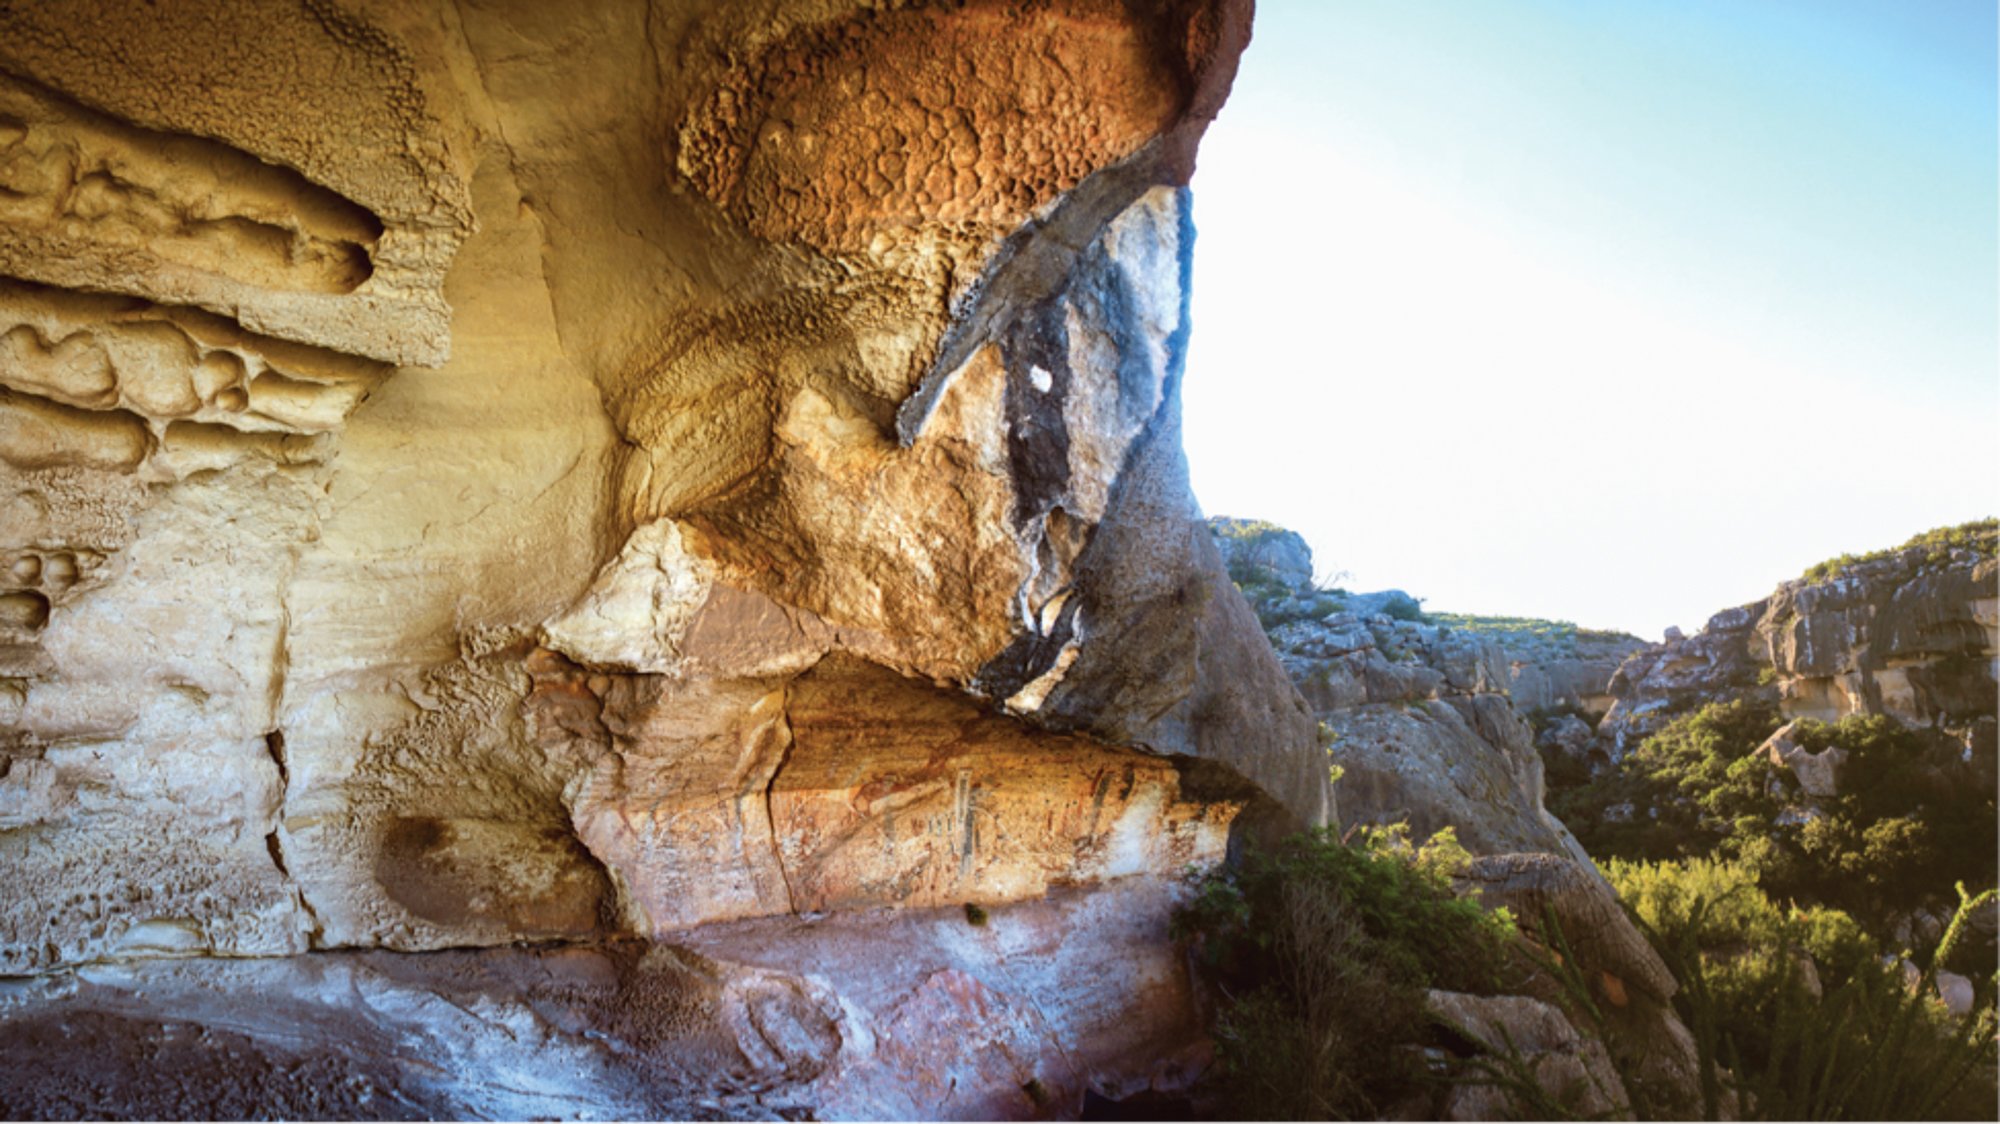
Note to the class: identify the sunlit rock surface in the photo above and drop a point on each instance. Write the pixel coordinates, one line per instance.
(1913, 634)
(1426, 717)
(1420, 715)
(598, 474)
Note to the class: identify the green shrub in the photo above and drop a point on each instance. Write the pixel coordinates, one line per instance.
(1793, 1014)
(1404, 608)
(1692, 785)
(1909, 821)
(1981, 535)
(1245, 530)
(1322, 952)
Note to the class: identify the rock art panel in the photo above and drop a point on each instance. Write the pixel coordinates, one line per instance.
(952, 805)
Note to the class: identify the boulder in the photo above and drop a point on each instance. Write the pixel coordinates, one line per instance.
(1818, 774)
(1627, 981)
(1955, 992)
(1253, 550)
(1525, 1039)
(1569, 735)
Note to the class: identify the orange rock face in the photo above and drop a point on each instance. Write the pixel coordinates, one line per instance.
(954, 805)
(971, 117)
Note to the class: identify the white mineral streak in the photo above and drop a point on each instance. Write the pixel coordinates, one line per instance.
(636, 613)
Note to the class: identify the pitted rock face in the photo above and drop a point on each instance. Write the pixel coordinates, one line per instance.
(315, 192)
(968, 119)
(494, 472)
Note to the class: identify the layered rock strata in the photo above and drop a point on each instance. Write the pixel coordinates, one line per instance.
(704, 474)
(1913, 634)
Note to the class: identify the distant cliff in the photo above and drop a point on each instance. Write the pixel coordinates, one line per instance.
(1911, 632)
(1836, 738)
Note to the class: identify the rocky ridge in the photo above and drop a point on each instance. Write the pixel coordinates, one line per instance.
(1903, 640)
(1912, 633)
(1417, 714)
(1421, 710)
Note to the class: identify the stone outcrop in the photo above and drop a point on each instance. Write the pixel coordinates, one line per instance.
(1253, 550)
(1573, 1070)
(1419, 714)
(1420, 723)
(1567, 673)
(1912, 633)
(1817, 774)
(693, 473)
(1568, 907)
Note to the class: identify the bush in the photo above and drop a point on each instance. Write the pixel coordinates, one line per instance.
(1908, 824)
(1692, 787)
(1937, 544)
(1404, 608)
(1794, 1015)
(1322, 952)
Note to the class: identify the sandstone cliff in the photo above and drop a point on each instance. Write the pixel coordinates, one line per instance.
(697, 474)
(1912, 633)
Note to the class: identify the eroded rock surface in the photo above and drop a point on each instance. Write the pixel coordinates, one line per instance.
(1420, 714)
(1426, 716)
(485, 472)
(1913, 634)
(904, 1013)
(1574, 1071)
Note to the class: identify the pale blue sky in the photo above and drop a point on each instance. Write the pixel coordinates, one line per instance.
(1618, 311)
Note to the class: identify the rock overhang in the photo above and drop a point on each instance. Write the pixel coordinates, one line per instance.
(760, 542)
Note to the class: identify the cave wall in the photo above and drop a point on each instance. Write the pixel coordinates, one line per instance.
(492, 471)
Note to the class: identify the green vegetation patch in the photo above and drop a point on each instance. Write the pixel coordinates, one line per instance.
(1405, 608)
(1795, 1013)
(1529, 632)
(1910, 821)
(1245, 530)
(1321, 952)
(1938, 543)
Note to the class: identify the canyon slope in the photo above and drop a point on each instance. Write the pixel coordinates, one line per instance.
(1426, 714)
(1426, 719)
(1854, 712)
(1830, 747)
(609, 559)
